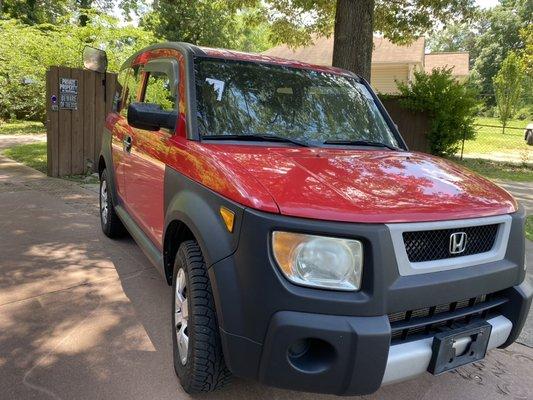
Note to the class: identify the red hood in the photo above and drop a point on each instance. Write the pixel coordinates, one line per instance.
(366, 185)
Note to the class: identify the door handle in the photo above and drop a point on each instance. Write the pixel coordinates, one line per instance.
(127, 143)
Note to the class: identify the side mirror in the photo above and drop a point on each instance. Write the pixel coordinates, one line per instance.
(94, 59)
(151, 117)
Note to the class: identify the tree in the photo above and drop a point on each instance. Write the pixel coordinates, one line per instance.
(508, 87)
(489, 38)
(459, 37)
(215, 23)
(501, 37)
(33, 12)
(526, 56)
(83, 7)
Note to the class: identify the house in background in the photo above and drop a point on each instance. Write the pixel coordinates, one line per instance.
(390, 63)
(459, 61)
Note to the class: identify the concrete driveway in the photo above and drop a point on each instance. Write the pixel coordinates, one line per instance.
(84, 317)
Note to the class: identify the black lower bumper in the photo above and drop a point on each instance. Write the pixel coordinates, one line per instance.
(340, 355)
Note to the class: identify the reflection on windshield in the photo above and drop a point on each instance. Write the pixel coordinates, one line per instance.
(243, 98)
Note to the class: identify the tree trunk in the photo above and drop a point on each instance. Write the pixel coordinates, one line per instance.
(353, 41)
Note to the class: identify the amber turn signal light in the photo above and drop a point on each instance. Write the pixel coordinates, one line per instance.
(228, 217)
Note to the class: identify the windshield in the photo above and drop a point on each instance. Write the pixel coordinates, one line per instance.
(249, 98)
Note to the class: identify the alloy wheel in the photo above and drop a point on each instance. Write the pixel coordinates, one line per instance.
(103, 202)
(181, 317)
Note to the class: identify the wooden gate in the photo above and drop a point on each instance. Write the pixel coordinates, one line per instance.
(77, 103)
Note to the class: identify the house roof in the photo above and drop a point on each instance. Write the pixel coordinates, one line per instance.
(458, 61)
(385, 52)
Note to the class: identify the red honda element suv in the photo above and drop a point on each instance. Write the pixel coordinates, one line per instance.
(306, 246)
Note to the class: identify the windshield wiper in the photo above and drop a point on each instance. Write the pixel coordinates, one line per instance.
(251, 137)
(362, 143)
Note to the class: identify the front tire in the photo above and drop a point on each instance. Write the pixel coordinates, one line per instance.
(111, 224)
(198, 358)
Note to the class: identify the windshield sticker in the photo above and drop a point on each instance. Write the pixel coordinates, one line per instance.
(217, 85)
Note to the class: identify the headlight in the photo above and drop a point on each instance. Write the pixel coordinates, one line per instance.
(319, 261)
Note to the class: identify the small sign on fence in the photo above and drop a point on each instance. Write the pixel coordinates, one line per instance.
(68, 93)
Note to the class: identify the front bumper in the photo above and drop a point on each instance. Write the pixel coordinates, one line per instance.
(263, 318)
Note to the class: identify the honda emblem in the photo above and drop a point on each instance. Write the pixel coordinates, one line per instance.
(457, 242)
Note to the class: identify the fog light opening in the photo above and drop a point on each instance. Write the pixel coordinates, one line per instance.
(311, 355)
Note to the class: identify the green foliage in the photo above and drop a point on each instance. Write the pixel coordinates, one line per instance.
(489, 38)
(34, 12)
(459, 36)
(157, 91)
(508, 86)
(526, 56)
(450, 104)
(404, 21)
(295, 22)
(26, 52)
(502, 36)
(214, 23)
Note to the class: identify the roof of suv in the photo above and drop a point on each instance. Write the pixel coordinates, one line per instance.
(199, 51)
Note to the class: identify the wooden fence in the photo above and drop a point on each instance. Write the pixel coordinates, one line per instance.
(414, 126)
(75, 118)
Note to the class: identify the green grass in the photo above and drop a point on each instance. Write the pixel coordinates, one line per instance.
(21, 128)
(529, 227)
(490, 139)
(514, 123)
(498, 170)
(33, 155)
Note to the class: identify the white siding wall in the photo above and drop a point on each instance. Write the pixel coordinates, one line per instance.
(383, 77)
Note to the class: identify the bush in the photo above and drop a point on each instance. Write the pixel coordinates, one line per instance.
(450, 104)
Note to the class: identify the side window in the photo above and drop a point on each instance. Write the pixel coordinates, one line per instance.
(158, 91)
(131, 88)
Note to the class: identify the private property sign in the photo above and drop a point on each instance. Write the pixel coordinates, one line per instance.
(68, 93)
